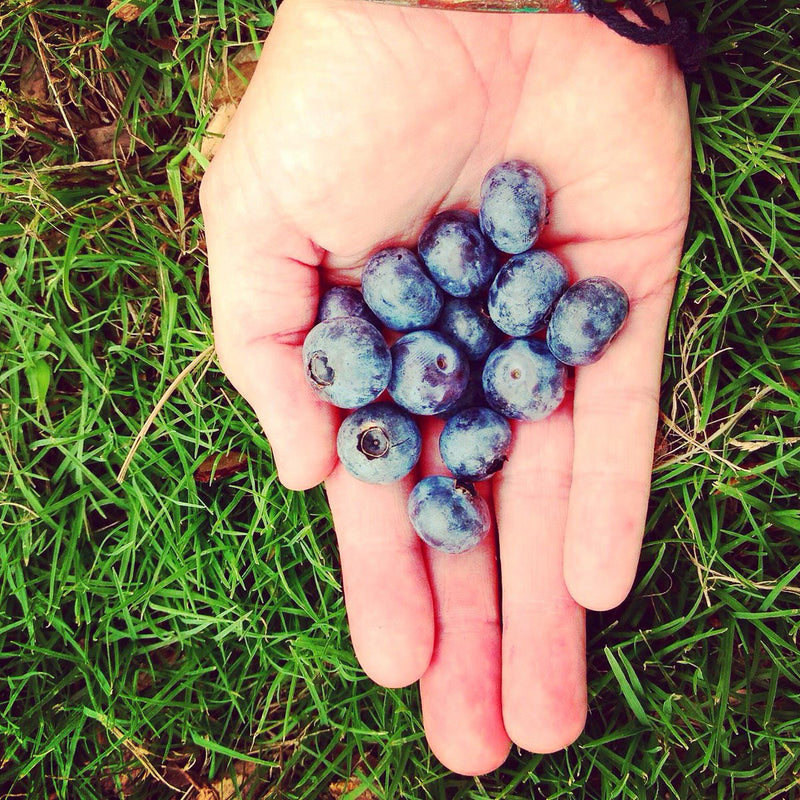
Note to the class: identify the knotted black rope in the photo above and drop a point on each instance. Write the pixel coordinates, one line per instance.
(689, 46)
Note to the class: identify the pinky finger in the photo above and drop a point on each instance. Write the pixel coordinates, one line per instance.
(615, 417)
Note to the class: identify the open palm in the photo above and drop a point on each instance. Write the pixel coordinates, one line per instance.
(361, 122)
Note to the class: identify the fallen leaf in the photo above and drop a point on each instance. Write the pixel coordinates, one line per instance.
(105, 141)
(236, 78)
(144, 680)
(343, 787)
(127, 12)
(661, 446)
(166, 43)
(220, 465)
(225, 788)
(784, 332)
(215, 131)
(124, 784)
(33, 80)
(225, 91)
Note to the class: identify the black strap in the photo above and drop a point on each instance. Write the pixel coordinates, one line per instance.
(689, 46)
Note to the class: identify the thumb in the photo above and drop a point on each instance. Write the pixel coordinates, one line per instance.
(264, 295)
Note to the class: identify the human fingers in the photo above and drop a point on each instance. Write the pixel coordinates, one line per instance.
(460, 691)
(544, 651)
(614, 417)
(386, 589)
(264, 290)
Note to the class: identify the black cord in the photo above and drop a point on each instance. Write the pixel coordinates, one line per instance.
(689, 46)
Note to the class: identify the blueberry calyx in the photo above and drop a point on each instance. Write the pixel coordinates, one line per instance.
(373, 442)
(496, 465)
(465, 487)
(319, 370)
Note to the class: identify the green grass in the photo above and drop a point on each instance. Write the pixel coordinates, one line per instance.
(187, 626)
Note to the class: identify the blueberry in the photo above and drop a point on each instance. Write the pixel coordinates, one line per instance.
(346, 361)
(458, 256)
(475, 443)
(448, 514)
(513, 206)
(525, 291)
(522, 380)
(428, 373)
(397, 289)
(585, 319)
(379, 443)
(467, 325)
(344, 301)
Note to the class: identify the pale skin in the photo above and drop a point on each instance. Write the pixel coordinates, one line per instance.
(361, 122)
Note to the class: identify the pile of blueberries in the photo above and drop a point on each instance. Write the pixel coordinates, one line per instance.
(468, 303)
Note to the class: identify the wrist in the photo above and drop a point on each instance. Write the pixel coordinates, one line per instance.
(550, 6)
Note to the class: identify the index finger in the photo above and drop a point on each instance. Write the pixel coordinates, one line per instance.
(264, 293)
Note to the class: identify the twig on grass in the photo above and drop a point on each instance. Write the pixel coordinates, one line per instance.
(40, 49)
(189, 368)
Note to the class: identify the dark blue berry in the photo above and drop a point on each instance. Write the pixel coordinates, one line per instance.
(585, 319)
(379, 443)
(513, 206)
(428, 373)
(347, 362)
(522, 380)
(448, 514)
(398, 291)
(344, 301)
(474, 443)
(525, 292)
(467, 325)
(458, 256)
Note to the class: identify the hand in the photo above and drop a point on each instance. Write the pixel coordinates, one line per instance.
(361, 122)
